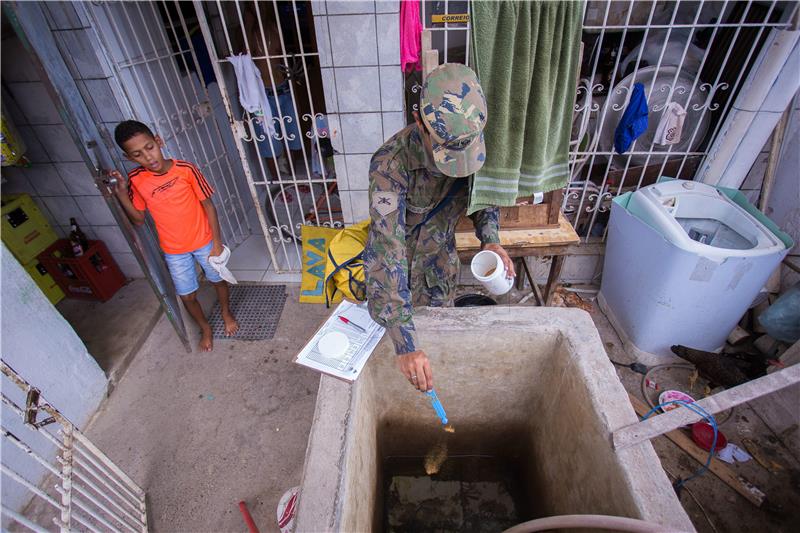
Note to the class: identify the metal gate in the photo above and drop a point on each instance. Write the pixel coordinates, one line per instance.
(88, 492)
(694, 53)
(159, 80)
(285, 150)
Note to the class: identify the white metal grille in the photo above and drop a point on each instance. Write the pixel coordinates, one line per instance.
(157, 72)
(694, 53)
(91, 493)
(299, 185)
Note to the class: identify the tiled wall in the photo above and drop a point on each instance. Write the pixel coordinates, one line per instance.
(359, 47)
(58, 178)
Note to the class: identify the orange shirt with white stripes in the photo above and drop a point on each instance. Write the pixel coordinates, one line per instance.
(173, 199)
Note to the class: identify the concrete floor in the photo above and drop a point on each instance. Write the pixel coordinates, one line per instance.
(202, 431)
(113, 331)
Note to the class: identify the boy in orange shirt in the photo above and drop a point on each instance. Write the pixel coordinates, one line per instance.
(179, 200)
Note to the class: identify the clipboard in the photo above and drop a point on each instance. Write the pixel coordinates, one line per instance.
(324, 352)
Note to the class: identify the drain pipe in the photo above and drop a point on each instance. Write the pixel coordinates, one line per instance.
(770, 85)
(590, 521)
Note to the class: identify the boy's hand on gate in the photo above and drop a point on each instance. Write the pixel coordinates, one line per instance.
(120, 188)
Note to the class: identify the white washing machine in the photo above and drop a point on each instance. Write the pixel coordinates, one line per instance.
(684, 261)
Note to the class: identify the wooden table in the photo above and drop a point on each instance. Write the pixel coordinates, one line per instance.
(555, 242)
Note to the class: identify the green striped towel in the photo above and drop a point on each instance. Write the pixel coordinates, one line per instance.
(525, 55)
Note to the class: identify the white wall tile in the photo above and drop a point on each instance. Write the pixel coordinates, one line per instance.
(350, 7)
(35, 103)
(358, 171)
(10, 108)
(342, 178)
(347, 207)
(353, 40)
(387, 6)
(87, 230)
(95, 210)
(58, 143)
(362, 132)
(392, 123)
(323, 41)
(128, 264)
(248, 275)
(329, 89)
(318, 7)
(15, 181)
(360, 205)
(581, 268)
(104, 100)
(35, 152)
(389, 43)
(334, 124)
(112, 237)
(77, 178)
(358, 89)
(391, 89)
(62, 208)
(45, 180)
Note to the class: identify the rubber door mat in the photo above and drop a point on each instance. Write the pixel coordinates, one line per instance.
(257, 308)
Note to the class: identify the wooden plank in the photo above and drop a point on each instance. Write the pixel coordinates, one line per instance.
(716, 403)
(717, 467)
(517, 217)
(553, 278)
(542, 251)
(430, 60)
(563, 235)
(554, 205)
(426, 40)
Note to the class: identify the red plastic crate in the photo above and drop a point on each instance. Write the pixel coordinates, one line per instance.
(92, 276)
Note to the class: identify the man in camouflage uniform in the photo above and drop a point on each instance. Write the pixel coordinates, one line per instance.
(418, 189)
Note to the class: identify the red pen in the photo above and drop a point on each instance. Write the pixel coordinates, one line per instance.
(350, 322)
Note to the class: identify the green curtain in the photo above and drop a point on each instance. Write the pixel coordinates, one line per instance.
(525, 55)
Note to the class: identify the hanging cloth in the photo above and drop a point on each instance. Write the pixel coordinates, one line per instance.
(252, 94)
(220, 264)
(526, 58)
(670, 126)
(410, 36)
(633, 122)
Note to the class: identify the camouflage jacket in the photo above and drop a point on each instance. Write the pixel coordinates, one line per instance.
(408, 266)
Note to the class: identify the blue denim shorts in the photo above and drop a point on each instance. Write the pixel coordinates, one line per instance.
(184, 273)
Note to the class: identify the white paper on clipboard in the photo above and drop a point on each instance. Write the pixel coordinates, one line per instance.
(347, 366)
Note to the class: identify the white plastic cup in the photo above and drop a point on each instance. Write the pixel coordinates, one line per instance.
(488, 268)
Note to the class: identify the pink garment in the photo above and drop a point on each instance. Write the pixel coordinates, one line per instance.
(410, 33)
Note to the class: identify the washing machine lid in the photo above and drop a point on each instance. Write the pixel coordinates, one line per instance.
(701, 219)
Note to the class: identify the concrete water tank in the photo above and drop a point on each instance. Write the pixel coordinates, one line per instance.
(533, 400)
(684, 261)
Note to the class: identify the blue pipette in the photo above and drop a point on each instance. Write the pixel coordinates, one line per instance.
(437, 406)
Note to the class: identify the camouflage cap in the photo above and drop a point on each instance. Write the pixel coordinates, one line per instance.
(454, 112)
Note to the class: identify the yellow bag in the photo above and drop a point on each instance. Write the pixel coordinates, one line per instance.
(12, 147)
(344, 271)
(316, 240)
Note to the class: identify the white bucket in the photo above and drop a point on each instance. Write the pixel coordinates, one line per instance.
(488, 268)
